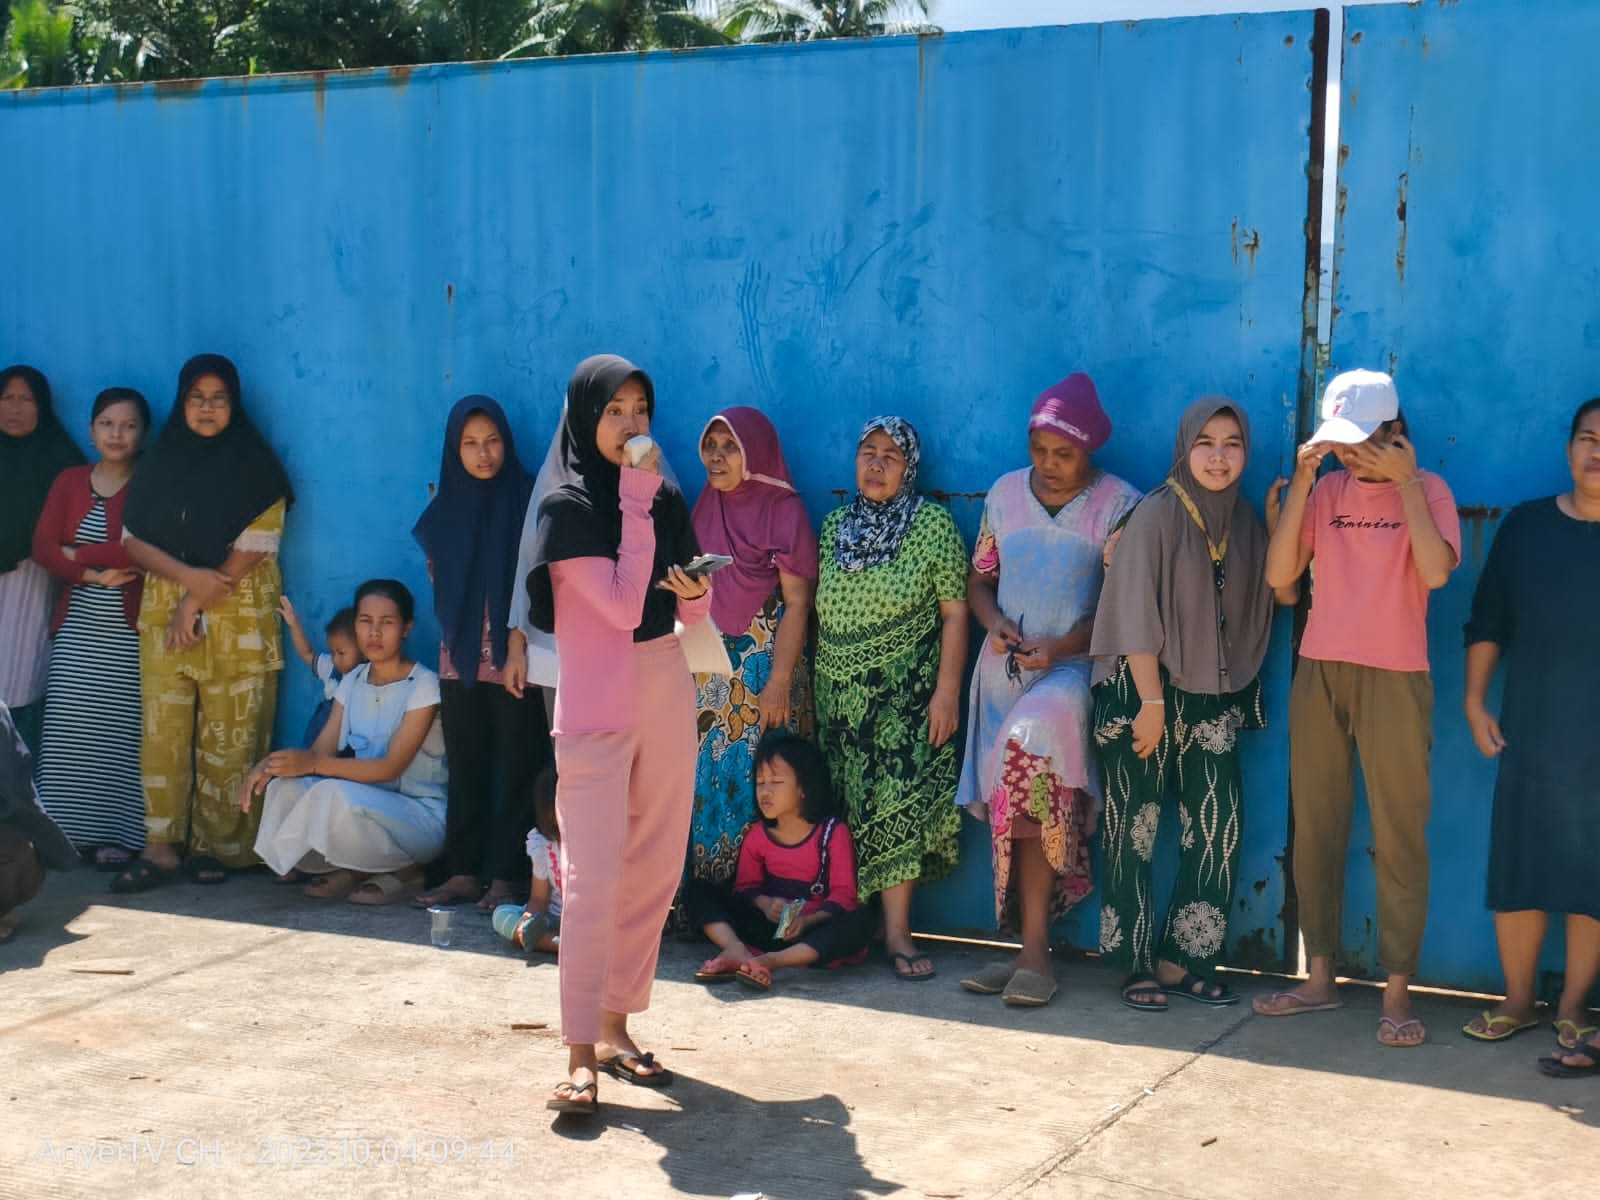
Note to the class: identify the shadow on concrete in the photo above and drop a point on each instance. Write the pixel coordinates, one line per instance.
(820, 1156)
(1337, 1043)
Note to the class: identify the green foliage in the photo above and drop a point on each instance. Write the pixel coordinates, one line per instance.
(42, 47)
(178, 39)
(47, 43)
(806, 20)
(612, 26)
(324, 35)
(478, 30)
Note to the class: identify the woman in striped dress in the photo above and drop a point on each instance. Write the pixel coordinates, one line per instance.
(89, 758)
(34, 449)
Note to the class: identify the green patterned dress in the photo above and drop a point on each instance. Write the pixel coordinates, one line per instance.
(877, 664)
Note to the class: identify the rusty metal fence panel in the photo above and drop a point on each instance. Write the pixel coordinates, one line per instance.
(1468, 262)
(938, 227)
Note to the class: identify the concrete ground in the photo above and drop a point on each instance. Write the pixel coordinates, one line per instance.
(260, 1044)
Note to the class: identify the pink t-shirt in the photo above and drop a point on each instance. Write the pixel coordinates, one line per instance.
(1368, 604)
(599, 603)
(768, 867)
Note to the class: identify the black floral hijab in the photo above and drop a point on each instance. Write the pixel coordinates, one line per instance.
(871, 531)
(193, 496)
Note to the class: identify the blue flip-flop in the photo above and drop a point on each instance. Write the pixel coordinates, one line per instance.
(901, 965)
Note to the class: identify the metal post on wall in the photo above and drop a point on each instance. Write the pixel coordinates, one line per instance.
(1313, 357)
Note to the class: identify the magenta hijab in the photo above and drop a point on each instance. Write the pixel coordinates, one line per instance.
(761, 524)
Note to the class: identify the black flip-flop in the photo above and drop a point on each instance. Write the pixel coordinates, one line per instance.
(655, 1075)
(109, 865)
(570, 1102)
(1144, 984)
(1552, 1065)
(1185, 989)
(204, 869)
(897, 961)
(140, 876)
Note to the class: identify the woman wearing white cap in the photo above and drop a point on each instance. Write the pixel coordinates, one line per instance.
(1384, 534)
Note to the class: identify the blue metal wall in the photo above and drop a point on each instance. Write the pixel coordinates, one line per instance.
(1467, 260)
(939, 228)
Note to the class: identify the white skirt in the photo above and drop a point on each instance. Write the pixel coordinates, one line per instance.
(358, 826)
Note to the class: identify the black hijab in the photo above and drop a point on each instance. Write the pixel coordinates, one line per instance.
(581, 514)
(470, 532)
(193, 496)
(28, 466)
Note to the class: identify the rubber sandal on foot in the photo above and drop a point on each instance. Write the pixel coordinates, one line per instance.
(1192, 987)
(1029, 989)
(1552, 1065)
(1290, 1004)
(570, 1102)
(141, 876)
(901, 965)
(1570, 1035)
(626, 1068)
(1497, 1029)
(1389, 1031)
(990, 981)
(1144, 984)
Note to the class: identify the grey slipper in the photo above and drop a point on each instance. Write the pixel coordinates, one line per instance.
(1029, 989)
(990, 981)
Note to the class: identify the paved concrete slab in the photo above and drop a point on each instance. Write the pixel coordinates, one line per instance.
(268, 1045)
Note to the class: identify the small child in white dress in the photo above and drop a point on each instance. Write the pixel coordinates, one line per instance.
(536, 926)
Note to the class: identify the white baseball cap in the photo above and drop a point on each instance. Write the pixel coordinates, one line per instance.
(1354, 405)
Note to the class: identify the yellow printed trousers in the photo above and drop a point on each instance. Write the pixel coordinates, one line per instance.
(200, 741)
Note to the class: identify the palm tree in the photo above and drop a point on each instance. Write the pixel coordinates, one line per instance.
(806, 20)
(478, 30)
(612, 26)
(43, 47)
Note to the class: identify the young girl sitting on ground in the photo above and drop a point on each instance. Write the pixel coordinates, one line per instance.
(793, 902)
(343, 656)
(536, 926)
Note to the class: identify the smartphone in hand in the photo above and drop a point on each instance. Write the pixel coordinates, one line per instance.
(706, 564)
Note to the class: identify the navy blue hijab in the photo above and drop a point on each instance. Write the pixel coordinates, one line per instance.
(470, 533)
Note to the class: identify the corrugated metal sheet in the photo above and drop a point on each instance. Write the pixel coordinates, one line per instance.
(1467, 262)
(936, 227)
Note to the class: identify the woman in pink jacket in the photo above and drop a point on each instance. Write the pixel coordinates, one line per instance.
(610, 538)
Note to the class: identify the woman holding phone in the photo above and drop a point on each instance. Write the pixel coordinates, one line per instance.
(750, 515)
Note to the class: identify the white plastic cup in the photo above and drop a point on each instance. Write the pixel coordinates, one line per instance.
(440, 931)
(637, 448)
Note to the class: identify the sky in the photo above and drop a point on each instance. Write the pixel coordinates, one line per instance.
(998, 14)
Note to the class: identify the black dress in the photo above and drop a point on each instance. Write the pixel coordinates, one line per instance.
(1537, 599)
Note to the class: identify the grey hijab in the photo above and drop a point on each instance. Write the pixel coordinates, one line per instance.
(1162, 595)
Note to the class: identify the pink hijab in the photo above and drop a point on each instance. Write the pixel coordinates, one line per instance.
(762, 524)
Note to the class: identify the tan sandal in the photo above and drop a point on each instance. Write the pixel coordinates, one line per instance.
(387, 888)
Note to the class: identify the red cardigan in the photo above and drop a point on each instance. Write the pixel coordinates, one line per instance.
(71, 497)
